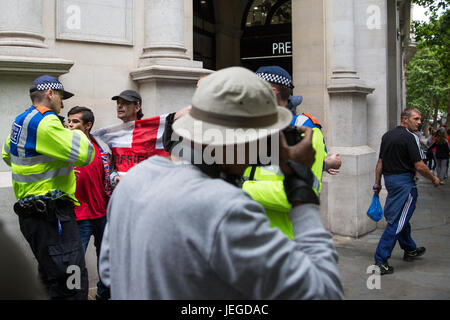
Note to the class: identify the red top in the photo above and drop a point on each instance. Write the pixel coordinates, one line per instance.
(90, 190)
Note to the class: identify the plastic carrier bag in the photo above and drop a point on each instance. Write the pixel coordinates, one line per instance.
(375, 211)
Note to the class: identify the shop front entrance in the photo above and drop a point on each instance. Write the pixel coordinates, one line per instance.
(267, 34)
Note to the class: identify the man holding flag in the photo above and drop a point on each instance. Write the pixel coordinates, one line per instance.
(135, 139)
(132, 141)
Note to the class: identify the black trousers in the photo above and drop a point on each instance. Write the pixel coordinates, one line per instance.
(54, 238)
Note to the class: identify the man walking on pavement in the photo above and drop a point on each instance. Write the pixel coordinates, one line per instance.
(42, 153)
(400, 157)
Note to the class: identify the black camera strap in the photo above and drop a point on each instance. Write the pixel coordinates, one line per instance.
(298, 184)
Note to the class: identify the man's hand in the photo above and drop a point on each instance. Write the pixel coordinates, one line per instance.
(436, 181)
(181, 112)
(302, 152)
(333, 163)
(376, 188)
(422, 168)
(333, 172)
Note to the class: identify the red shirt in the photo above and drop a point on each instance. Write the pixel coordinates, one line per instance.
(90, 191)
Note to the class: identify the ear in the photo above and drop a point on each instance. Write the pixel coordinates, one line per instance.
(89, 126)
(49, 93)
(275, 90)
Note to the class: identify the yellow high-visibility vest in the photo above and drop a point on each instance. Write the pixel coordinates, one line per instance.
(42, 153)
(266, 186)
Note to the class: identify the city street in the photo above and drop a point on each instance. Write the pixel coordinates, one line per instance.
(425, 278)
(350, 69)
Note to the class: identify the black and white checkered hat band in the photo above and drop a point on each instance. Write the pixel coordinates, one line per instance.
(49, 85)
(274, 78)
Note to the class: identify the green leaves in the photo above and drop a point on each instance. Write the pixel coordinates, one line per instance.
(428, 72)
(421, 84)
(432, 5)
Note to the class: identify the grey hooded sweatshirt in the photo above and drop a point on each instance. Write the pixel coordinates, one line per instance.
(174, 232)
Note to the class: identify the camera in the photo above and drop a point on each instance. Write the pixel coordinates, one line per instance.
(293, 135)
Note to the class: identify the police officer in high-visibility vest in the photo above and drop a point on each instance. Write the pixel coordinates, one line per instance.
(265, 184)
(42, 153)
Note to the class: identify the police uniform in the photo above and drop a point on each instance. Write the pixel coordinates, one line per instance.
(42, 153)
(265, 184)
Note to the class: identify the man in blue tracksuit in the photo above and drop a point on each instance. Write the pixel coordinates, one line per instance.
(400, 157)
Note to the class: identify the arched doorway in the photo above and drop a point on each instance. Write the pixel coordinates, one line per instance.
(267, 34)
(204, 33)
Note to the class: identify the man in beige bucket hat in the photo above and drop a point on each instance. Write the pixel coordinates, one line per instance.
(189, 232)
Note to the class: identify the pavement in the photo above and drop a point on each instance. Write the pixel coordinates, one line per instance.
(427, 278)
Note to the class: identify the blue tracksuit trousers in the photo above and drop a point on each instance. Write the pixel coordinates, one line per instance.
(399, 229)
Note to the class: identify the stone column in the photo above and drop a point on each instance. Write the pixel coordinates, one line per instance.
(21, 23)
(164, 30)
(24, 55)
(344, 76)
(348, 194)
(22, 43)
(164, 66)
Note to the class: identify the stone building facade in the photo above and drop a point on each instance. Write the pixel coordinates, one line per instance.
(346, 58)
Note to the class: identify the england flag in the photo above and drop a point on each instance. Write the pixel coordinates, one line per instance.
(134, 141)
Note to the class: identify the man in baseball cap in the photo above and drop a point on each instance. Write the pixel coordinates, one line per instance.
(192, 233)
(129, 105)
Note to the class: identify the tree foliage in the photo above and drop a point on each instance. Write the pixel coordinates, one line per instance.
(433, 6)
(429, 70)
(426, 83)
(436, 34)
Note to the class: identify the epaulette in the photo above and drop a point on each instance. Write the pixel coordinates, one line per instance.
(42, 109)
(312, 119)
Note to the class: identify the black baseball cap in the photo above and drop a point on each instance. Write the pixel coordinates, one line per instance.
(129, 95)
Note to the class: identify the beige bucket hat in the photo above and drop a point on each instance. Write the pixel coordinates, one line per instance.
(232, 106)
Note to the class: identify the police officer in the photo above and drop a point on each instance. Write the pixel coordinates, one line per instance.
(265, 184)
(42, 153)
